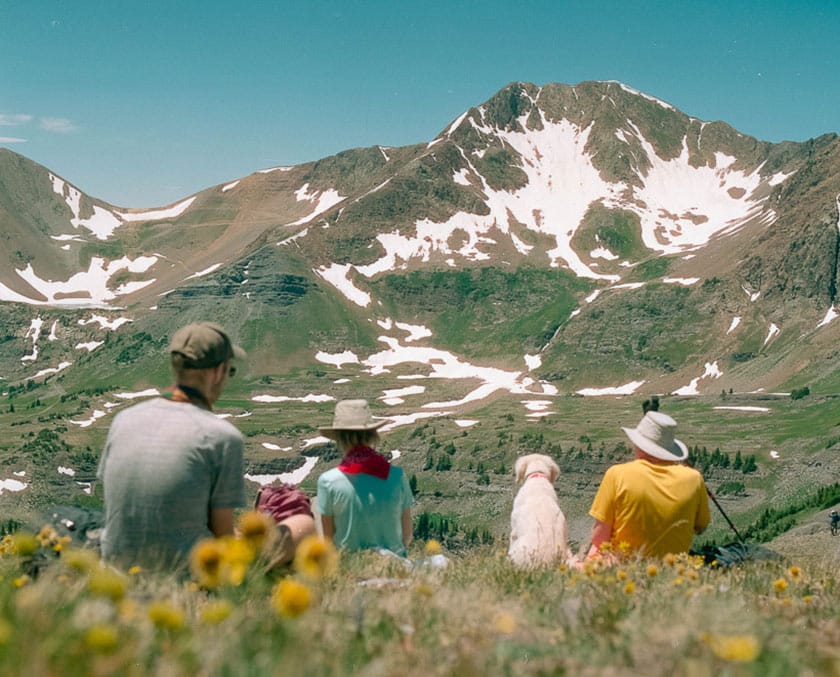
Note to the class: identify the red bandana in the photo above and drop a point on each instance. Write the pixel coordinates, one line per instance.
(361, 459)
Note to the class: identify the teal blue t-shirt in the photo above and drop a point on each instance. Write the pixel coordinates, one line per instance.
(367, 510)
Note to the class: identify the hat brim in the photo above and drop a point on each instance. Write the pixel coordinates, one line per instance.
(679, 452)
(332, 432)
(238, 353)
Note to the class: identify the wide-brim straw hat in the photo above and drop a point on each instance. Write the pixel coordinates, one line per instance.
(351, 415)
(655, 436)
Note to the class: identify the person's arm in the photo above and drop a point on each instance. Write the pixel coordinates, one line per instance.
(601, 533)
(221, 522)
(407, 527)
(328, 525)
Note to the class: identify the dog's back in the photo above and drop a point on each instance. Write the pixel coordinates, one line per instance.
(537, 524)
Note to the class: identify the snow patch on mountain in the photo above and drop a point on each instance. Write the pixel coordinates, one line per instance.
(733, 325)
(34, 332)
(684, 281)
(83, 289)
(772, 332)
(102, 223)
(336, 274)
(51, 370)
(158, 214)
(90, 346)
(626, 389)
(396, 396)
(105, 323)
(682, 207)
(711, 371)
(415, 331)
(206, 271)
(337, 359)
(323, 201)
(829, 316)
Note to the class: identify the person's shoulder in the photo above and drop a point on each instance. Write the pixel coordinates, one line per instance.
(140, 409)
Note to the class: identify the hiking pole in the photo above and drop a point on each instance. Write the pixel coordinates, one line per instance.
(725, 516)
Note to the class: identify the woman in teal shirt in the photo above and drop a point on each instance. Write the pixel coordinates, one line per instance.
(365, 503)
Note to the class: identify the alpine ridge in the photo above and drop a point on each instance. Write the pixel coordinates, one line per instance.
(617, 241)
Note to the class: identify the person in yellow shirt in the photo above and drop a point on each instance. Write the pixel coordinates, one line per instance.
(652, 505)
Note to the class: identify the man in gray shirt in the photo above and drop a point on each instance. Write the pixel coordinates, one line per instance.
(171, 469)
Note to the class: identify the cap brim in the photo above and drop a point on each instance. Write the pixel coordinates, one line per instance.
(679, 452)
(238, 353)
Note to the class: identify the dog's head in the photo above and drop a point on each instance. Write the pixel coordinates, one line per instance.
(531, 463)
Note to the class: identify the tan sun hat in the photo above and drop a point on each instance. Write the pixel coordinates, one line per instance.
(204, 345)
(655, 436)
(351, 415)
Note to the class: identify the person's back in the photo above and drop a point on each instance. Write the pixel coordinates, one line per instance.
(655, 507)
(164, 464)
(172, 471)
(365, 503)
(652, 505)
(367, 510)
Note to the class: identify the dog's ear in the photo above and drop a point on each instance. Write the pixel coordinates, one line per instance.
(519, 469)
(554, 470)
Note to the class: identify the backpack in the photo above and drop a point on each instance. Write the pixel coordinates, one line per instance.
(283, 501)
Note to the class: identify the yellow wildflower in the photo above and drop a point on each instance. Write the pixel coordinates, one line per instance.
(60, 543)
(624, 548)
(808, 599)
(780, 585)
(80, 559)
(652, 570)
(24, 544)
(733, 648)
(106, 582)
(206, 562)
(621, 574)
(101, 638)
(679, 580)
(692, 575)
(47, 536)
(255, 527)
(629, 588)
(290, 598)
(433, 547)
(133, 571)
(505, 623)
(215, 612)
(20, 581)
(424, 589)
(795, 572)
(237, 556)
(670, 559)
(166, 615)
(316, 557)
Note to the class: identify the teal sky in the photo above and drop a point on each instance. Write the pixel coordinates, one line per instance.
(142, 103)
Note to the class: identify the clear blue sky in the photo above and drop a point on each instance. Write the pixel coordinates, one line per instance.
(142, 103)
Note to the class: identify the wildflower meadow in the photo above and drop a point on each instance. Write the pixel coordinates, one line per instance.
(234, 611)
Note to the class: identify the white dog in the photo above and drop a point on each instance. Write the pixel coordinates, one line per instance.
(537, 524)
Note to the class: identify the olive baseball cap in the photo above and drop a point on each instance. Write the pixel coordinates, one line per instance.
(204, 345)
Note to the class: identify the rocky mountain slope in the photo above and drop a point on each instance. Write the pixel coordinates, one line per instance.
(611, 238)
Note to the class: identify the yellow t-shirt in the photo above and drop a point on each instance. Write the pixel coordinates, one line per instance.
(653, 507)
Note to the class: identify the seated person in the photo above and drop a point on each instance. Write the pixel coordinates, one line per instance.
(364, 502)
(653, 504)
